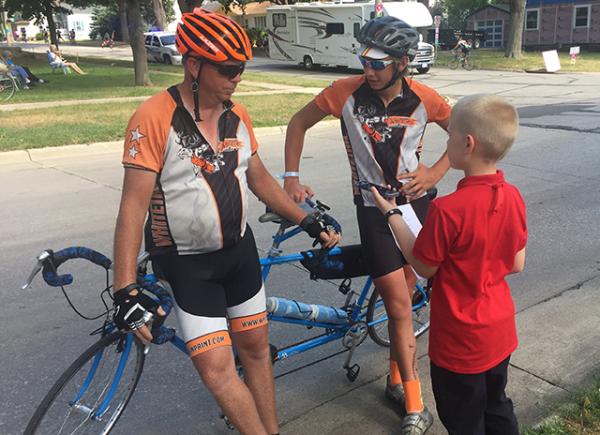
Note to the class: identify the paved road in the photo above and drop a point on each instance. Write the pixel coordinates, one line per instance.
(64, 197)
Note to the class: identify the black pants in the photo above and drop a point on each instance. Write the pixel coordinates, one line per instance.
(474, 404)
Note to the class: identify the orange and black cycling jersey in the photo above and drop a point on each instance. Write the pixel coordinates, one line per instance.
(199, 203)
(382, 142)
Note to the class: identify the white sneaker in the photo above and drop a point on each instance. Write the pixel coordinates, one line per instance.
(26, 88)
(40, 81)
(27, 81)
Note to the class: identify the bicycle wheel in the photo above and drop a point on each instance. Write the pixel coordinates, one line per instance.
(71, 405)
(7, 87)
(468, 64)
(453, 63)
(376, 312)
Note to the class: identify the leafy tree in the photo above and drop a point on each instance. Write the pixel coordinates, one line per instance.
(136, 36)
(38, 10)
(459, 10)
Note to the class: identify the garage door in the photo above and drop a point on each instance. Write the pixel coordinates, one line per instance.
(493, 31)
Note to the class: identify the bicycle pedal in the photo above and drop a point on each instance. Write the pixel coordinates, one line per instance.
(352, 372)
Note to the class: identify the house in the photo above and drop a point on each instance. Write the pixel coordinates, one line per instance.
(548, 24)
(254, 15)
(79, 20)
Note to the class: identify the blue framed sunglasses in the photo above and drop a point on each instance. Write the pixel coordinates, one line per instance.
(376, 65)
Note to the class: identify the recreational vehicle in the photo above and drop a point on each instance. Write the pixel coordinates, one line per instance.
(325, 33)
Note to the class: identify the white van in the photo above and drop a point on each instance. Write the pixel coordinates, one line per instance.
(325, 33)
(160, 47)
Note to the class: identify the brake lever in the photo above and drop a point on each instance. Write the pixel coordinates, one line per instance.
(322, 206)
(41, 259)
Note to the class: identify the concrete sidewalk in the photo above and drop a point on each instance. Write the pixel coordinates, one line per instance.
(559, 352)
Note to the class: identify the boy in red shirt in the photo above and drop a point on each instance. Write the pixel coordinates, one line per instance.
(470, 241)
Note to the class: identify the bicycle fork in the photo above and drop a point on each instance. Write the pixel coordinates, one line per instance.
(96, 413)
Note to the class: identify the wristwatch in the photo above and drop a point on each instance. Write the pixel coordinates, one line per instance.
(392, 212)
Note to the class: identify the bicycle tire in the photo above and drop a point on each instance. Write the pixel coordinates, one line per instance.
(379, 332)
(468, 64)
(453, 63)
(45, 419)
(8, 87)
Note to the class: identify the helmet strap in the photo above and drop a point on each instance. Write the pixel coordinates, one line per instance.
(195, 90)
(394, 79)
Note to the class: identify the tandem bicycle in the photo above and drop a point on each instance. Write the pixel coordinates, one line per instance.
(92, 393)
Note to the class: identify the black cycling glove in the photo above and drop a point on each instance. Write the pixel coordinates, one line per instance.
(314, 225)
(133, 311)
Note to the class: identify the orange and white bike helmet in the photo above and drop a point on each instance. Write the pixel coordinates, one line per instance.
(213, 37)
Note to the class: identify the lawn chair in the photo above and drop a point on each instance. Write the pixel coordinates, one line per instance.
(56, 65)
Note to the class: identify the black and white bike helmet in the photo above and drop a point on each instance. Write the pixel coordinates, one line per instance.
(390, 35)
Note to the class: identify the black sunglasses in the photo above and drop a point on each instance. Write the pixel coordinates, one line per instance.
(229, 71)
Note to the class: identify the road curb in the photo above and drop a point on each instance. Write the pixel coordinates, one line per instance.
(37, 154)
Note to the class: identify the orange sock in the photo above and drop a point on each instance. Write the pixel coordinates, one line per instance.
(412, 391)
(395, 377)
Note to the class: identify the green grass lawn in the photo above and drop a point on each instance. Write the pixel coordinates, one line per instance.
(102, 81)
(494, 59)
(21, 129)
(580, 417)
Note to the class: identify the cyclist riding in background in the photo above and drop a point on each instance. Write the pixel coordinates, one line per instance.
(462, 48)
(383, 119)
(190, 158)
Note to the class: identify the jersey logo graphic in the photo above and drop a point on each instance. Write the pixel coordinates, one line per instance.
(230, 144)
(200, 153)
(379, 128)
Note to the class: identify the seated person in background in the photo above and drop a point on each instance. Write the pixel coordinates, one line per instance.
(470, 241)
(25, 75)
(56, 60)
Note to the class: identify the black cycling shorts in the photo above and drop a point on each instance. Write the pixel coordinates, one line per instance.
(382, 254)
(215, 292)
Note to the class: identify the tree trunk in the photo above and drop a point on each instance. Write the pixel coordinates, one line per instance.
(136, 36)
(159, 14)
(515, 36)
(48, 13)
(123, 19)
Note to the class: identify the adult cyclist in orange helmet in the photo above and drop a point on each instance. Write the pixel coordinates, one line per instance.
(190, 159)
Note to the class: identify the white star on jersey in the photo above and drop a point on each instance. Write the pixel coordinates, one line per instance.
(136, 135)
(133, 151)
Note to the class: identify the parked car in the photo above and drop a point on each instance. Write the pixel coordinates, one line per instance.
(160, 47)
(449, 37)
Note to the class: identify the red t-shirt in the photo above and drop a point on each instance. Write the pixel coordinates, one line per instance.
(473, 236)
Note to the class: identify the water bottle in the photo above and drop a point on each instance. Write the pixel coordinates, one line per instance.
(281, 307)
(323, 314)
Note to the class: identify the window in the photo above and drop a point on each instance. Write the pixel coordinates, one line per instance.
(279, 20)
(532, 19)
(260, 22)
(494, 34)
(581, 17)
(167, 40)
(148, 40)
(155, 42)
(334, 28)
(372, 15)
(356, 29)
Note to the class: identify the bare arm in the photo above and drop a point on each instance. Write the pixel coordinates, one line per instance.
(268, 190)
(406, 239)
(308, 116)
(137, 190)
(424, 177)
(519, 262)
(135, 199)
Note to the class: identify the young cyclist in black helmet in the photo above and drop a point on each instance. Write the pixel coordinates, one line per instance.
(383, 118)
(190, 159)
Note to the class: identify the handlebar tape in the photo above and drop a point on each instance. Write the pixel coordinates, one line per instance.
(50, 267)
